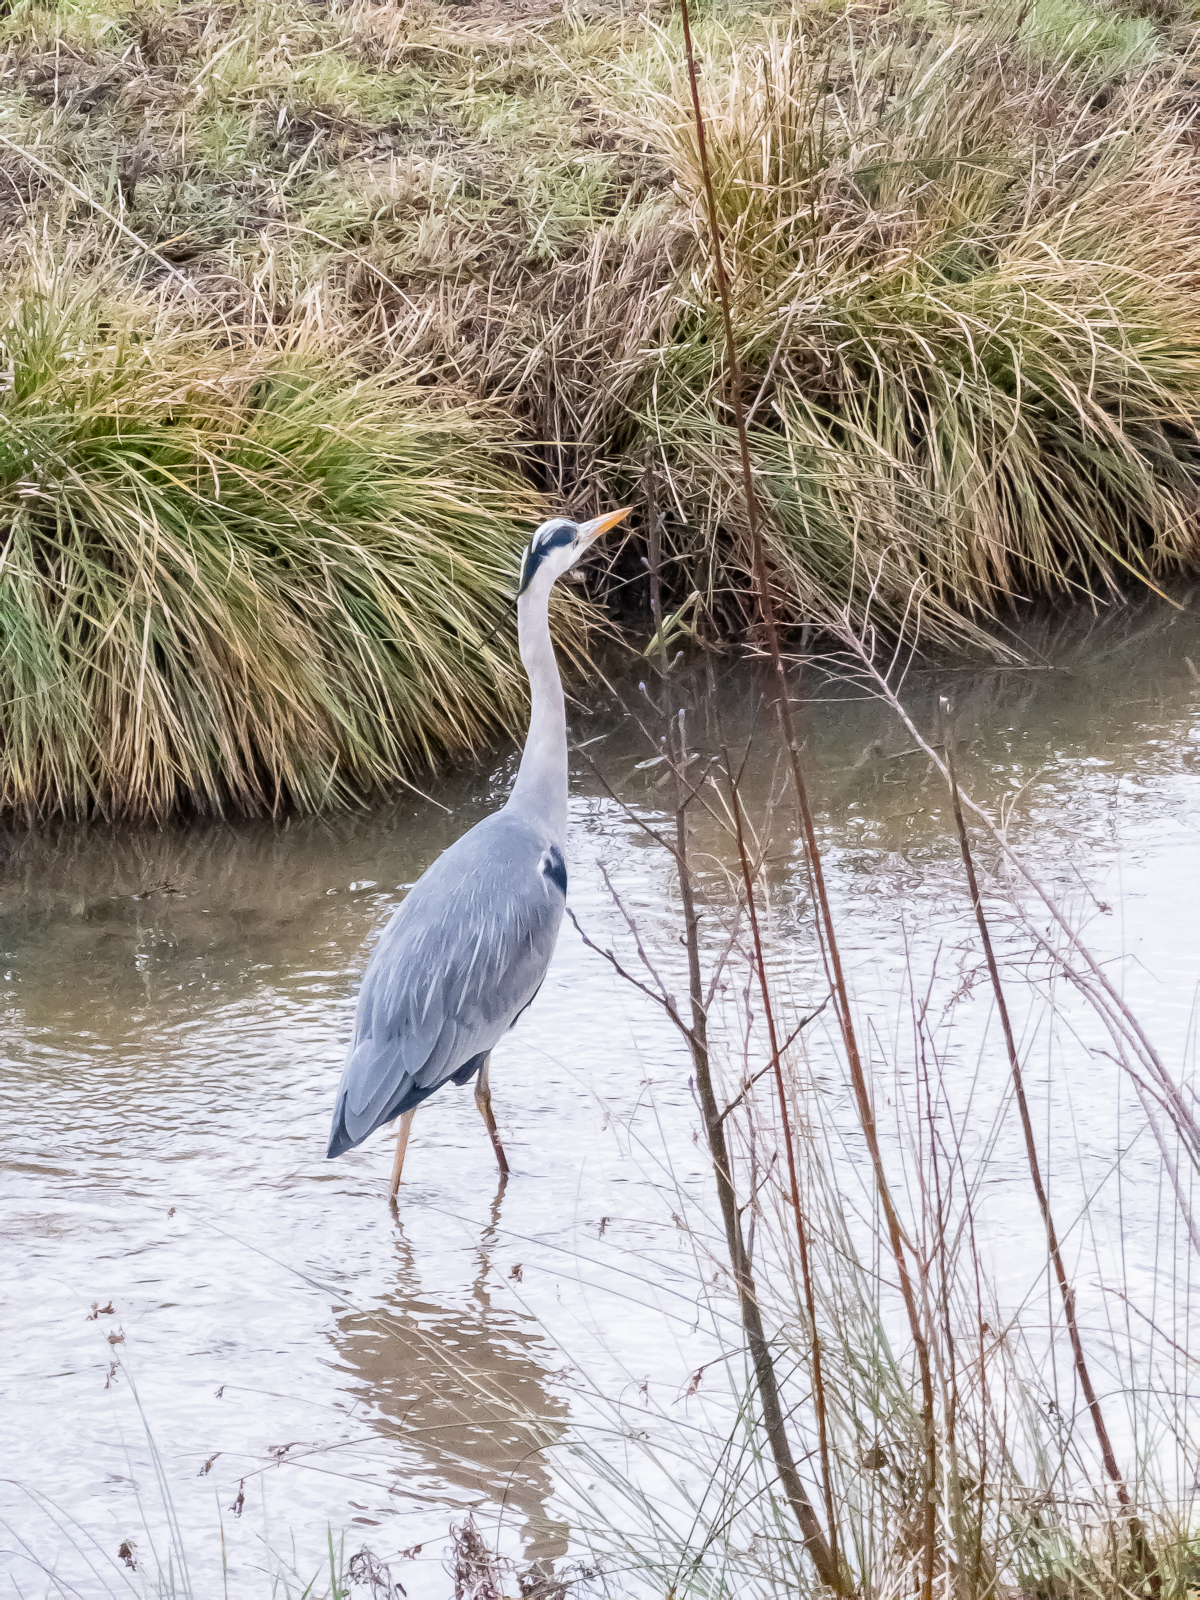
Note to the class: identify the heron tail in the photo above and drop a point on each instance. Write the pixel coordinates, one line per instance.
(340, 1137)
(407, 1098)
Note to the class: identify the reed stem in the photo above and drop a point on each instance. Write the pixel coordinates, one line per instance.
(830, 948)
(810, 1305)
(815, 1542)
(1137, 1535)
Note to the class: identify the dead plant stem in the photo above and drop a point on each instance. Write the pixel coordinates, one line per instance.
(654, 556)
(815, 1542)
(1137, 1536)
(1121, 1022)
(770, 636)
(810, 1304)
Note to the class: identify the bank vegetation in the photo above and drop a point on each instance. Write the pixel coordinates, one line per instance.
(309, 310)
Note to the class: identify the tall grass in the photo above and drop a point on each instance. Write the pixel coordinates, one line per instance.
(963, 249)
(964, 299)
(235, 579)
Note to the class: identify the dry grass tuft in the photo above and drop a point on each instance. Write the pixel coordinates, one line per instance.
(967, 326)
(965, 252)
(970, 324)
(230, 581)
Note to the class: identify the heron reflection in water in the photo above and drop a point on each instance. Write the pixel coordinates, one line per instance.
(468, 948)
(461, 1390)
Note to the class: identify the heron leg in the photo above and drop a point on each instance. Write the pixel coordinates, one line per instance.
(401, 1146)
(483, 1099)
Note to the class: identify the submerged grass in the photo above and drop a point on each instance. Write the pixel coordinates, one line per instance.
(964, 251)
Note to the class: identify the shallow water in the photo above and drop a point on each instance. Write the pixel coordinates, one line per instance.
(293, 1357)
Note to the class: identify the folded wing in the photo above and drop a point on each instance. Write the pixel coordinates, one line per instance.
(458, 963)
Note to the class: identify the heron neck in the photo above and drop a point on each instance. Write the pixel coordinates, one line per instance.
(541, 786)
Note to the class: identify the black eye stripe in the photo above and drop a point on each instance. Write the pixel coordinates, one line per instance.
(555, 537)
(562, 534)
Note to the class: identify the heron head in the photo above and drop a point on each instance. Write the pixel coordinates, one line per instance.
(558, 544)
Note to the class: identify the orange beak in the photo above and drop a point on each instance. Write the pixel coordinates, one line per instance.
(598, 525)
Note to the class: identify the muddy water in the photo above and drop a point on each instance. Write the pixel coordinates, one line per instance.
(215, 1341)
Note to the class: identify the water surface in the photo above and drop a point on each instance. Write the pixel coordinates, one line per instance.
(291, 1356)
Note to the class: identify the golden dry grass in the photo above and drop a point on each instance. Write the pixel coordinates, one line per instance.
(964, 248)
(230, 580)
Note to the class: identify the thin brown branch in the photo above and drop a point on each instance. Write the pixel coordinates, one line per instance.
(663, 1000)
(1112, 1007)
(828, 1569)
(826, 930)
(771, 1064)
(810, 1304)
(1138, 1540)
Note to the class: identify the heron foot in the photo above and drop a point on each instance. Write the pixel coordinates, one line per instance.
(401, 1146)
(483, 1099)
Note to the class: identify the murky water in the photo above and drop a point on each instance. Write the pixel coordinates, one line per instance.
(191, 1290)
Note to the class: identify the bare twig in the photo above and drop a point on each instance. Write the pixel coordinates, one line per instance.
(1136, 1531)
(663, 1000)
(826, 930)
(828, 1569)
(1103, 995)
(771, 1064)
(810, 1304)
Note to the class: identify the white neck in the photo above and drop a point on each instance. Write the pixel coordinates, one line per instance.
(541, 786)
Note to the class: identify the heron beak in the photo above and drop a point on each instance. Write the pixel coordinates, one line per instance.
(588, 531)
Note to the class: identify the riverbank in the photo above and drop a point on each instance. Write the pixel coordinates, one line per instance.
(337, 300)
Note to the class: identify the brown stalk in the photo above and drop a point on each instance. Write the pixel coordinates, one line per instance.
(654, 556)
(810, 1305)
(811, 1531)
(826, 931)
(1137, 1533)
(1127, 1034)
(1102, 995)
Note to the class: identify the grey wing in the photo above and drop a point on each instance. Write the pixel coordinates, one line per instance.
(461, 959)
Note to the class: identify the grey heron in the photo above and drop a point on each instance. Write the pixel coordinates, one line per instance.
(468, 947)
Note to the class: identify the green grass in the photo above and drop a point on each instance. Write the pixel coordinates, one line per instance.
(1104, 40)
(964, 248)
(235, 581)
